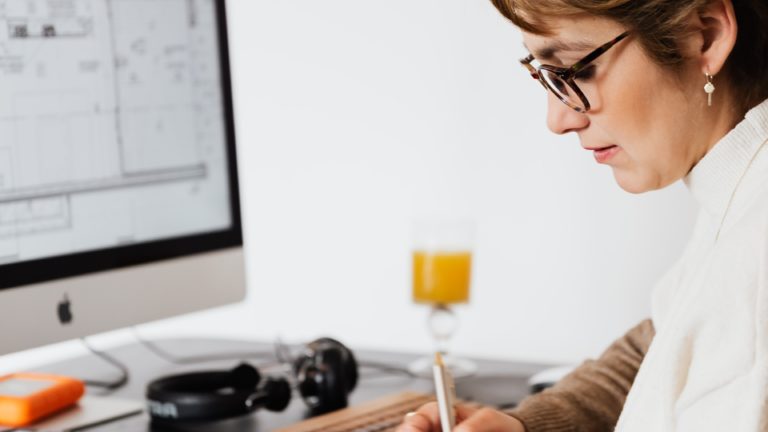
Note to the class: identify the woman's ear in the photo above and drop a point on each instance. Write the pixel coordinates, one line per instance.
(718, 31)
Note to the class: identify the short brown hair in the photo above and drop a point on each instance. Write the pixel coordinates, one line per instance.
(659, 25)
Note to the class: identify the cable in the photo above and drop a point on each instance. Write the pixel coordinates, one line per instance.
(387, 368)
(113, 385)
(281, 353)
(170, 358)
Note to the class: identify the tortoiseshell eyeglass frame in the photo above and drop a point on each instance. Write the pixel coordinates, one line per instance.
(568, 74)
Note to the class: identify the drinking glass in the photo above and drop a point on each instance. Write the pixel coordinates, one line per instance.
(442, 264)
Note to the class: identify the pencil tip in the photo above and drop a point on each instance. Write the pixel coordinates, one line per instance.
(438, 359)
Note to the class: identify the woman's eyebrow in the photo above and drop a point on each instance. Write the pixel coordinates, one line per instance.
(549, 50)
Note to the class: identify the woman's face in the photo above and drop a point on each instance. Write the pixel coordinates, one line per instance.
(653, 124)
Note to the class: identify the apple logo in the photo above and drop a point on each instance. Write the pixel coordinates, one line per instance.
(65, 311)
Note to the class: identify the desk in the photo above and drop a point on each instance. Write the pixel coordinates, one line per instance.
(497, 383)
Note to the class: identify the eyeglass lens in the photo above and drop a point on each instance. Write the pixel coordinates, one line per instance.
(562, 89)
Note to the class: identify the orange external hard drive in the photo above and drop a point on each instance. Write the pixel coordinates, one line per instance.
(26, 397)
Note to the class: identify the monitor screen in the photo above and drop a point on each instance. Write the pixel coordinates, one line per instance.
(116, 137)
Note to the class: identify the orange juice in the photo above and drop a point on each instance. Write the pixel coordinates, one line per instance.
(441, 277)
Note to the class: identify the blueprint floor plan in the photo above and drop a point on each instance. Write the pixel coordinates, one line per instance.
(111, 124)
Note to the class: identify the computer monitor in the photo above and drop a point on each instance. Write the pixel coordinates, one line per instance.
(118, 180)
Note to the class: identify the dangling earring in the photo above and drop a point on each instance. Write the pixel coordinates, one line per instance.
(709, 88)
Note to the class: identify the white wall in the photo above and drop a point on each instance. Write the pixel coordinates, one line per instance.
(355, 117)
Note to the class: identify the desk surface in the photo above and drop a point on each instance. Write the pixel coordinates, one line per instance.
(496, 383)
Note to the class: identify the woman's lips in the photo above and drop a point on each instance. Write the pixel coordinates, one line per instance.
(604, 154)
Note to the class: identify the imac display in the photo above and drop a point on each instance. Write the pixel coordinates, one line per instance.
(118, 180)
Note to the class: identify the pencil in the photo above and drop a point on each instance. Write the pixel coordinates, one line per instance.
(445, 389)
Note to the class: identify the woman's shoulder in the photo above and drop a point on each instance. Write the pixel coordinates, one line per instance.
(749, 204)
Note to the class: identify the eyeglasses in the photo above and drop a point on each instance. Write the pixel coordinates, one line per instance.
(561, 81)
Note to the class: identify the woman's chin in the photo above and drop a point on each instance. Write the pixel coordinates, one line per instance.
(634, 182)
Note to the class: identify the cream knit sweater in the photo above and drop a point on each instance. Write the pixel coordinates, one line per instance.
(702, 364)
(707, 367)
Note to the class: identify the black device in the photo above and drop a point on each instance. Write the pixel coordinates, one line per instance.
(325, 372)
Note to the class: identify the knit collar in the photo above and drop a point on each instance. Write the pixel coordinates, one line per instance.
(715, 178)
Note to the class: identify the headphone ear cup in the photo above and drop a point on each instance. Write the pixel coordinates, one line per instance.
(309, 383)
(334, 389)
(326, 374)
(278, 393)
(348, 363)
(245, 377)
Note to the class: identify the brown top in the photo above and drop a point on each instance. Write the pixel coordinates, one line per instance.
(591, 397)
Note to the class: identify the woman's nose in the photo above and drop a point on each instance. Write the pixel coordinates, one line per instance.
(561, 118)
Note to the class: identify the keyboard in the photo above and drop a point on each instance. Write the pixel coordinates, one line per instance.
(380, 415)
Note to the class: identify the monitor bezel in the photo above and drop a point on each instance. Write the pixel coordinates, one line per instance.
(80, 263)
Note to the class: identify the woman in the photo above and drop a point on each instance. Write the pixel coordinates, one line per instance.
(663, 90)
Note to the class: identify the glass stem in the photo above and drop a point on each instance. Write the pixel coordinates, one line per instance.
(442, 323)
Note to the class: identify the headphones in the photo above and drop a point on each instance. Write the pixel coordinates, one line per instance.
(325, 372)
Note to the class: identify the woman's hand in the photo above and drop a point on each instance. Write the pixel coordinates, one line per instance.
(427, 419)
